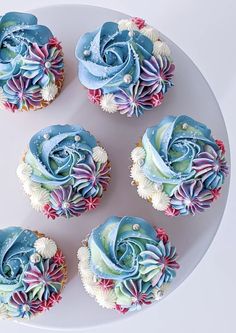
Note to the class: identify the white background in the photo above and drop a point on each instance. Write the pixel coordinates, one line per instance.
(204, 29)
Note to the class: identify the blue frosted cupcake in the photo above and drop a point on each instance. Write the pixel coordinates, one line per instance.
(126, 263)
(32, 273)
(64, 171)
(179, 167)
(125, 66)
(31, 63)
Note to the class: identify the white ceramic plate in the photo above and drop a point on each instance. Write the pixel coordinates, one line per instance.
(191, 95)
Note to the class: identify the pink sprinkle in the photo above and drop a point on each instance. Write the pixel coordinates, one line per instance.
(221, 145)
(121, 309)
(45, 305)
(55, 298)
(170, 211)
(161, 233)
(54, 42)
(157, 99)
(139, 22)
(216, 193)
(58, 258)
(106, 284)
(94, 95)
(49, 212)
(91, 203)
(10, 107)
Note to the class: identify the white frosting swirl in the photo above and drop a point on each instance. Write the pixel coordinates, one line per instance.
(108, 103)
(23, 171)
(39, 199)
(46, 247)
(160, 200)
(150, 32)
(161, 49)
(138, 154)
(127, 25)
(30, 187)
(106, 298)
(100, 155)
(49, 92)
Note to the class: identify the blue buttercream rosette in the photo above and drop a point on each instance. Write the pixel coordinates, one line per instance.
(179, 167)
(127, 263)
(31, 63)
(125, 66)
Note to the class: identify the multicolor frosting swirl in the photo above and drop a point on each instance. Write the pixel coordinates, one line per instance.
(182, 163)
(31, 63)
(31, 274)
(131, 262)
(125, 66)
(64, 171)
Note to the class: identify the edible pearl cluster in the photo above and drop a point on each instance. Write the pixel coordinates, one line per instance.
(45, 247)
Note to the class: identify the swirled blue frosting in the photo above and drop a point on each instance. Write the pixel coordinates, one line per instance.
(126, 248)
(54, 151)
(112, 54)
(16, 247)
(115, 246)
(17, 30)
(171, 148)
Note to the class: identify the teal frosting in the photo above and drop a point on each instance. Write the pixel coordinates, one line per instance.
(52, 159)
(112, 54)
(170, 149)
(16, 247)
(17, 32)
(115, 247)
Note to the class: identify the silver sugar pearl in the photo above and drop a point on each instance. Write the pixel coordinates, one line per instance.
(87, 53)
(46, 136)
(65, 205)
(127, 78)
(85, 242)
(158, 187)
(184, 126)
(26, 308)
(159, 294)
(131, 33)
(47, 64)
(35, 258)
(136, 227)
(140, 163)
(77, 138)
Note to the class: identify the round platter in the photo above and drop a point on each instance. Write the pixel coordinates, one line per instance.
(191, 95)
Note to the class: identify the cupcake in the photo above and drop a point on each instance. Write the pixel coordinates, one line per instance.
(178, 166)
(125, 66)
(64, 171)
(31, 63)
(32, 273)
(126, 263)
